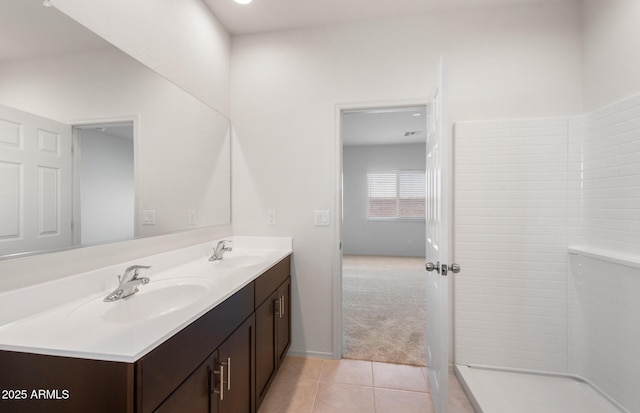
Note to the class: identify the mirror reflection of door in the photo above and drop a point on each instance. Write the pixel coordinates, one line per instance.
(35, 182)
(106, 181)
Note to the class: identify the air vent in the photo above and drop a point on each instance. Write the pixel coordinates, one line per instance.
(413, 133)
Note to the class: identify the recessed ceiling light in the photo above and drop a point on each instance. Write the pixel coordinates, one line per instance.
(242, 1)
(417, 114)
(46, 3)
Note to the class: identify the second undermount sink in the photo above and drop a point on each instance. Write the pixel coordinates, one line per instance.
(156, 299)
(242, 259)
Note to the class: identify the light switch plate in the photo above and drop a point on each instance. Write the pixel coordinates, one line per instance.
(149, 217)
(272, 217)
(321, 219)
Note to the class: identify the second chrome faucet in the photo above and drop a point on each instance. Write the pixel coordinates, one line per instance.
(129, 282)
(222, 247)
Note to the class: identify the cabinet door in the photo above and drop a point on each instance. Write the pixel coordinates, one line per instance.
(195, 395)
(283, 320)
(266, 363)
(236, 355)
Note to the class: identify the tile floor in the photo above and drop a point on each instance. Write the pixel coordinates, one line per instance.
(308, 385)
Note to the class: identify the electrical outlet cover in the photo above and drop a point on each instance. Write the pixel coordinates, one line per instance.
(192, 217)
(272, 217)
(149, 217)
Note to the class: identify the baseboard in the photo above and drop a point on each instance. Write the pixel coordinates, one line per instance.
(311, 354)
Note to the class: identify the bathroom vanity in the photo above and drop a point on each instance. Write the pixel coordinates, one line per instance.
(221, 357)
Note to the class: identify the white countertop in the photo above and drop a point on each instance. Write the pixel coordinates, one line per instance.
(72, 328)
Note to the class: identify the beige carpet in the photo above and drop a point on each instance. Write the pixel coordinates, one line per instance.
(384, 309)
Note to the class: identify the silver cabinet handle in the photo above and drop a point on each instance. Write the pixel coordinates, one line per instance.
(221, 382)
(228, 373)
(282, 312)
(221, 374)
(278, 308)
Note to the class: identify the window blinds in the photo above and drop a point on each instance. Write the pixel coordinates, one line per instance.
(396, 194)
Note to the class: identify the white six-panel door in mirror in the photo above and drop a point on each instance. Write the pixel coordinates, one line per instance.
(35, 177)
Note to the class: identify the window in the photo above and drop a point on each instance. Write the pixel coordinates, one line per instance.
(396, 195)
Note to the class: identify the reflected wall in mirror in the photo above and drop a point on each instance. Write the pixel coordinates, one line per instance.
(60, 83)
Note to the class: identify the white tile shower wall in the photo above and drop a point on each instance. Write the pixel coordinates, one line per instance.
(610, 201)
(511, 185)
(576, 132)
(604, 327)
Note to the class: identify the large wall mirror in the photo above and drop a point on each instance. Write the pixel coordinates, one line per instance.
(94, 146)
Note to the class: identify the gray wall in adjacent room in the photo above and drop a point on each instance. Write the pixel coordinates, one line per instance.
(367, 237)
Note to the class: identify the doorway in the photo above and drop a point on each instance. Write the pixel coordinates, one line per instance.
(104, 205)
(383, 234)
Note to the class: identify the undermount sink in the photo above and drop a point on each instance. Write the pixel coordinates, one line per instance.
(241, 260)
(156, 299)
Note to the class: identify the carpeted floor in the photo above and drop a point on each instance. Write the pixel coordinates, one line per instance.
(384, 309)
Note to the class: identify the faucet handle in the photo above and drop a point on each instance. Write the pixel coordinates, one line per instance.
(137, 267)
(134, 269)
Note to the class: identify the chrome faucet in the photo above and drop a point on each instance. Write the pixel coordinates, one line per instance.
(129, 282)
(222, 247)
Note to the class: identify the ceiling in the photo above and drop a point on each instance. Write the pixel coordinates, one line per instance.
(384, 126)
(272, 15)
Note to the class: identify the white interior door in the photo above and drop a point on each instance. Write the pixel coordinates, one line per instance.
(438, 171)
(35, 182)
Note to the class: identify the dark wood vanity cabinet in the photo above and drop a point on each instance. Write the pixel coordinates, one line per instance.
(223, 362)
(273, 324)
(194, 395)
(35, 383)
(223, 383)
(162, 372)
(283, 320)
(236, 371)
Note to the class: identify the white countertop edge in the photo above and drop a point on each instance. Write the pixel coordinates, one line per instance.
(186, 319)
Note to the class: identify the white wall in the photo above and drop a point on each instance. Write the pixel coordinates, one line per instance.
(611, 57)
(361, 236)
(181, 40)
(107, 187)
(504, 62)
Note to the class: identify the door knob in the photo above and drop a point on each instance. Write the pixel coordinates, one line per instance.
(455, 268)
(429, 266)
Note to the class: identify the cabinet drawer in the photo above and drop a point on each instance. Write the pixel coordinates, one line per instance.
(161, 371)
(268, 282)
